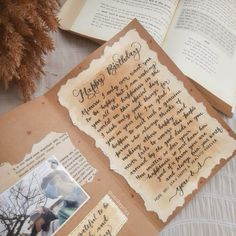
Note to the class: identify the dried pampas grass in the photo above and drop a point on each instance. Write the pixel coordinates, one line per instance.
(24, 39)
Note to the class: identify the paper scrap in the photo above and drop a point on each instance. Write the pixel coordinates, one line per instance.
(155, 134)
(58, 144)
(104, 219)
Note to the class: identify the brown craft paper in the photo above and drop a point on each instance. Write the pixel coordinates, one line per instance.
(28, 124)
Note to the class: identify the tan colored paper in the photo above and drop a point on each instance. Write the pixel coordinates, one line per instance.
(30, 123)
(142, 117)
(104, 219)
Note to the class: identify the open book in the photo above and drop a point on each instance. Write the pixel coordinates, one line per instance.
(118, 147)
(199, 36)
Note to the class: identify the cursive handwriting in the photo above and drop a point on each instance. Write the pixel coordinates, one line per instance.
(90, 91)
(119, 60)
(180, 188)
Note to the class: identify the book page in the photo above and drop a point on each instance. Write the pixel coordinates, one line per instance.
(69, 12)
(202, 42)
(57, 144)
(155, 134)
(102, 19)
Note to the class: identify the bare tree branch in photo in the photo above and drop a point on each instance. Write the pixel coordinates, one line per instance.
(15, 204)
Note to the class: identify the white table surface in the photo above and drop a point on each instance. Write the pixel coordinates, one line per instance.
(212, 212)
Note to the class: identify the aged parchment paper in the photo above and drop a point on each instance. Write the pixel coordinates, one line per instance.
(106, 218)
(152, 130)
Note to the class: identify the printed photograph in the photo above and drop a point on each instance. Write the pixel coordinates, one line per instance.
(41, 202)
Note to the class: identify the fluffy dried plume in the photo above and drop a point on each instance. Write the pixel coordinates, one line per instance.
(24, 39)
